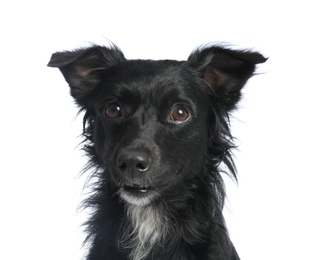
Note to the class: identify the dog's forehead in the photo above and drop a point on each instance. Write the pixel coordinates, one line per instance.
(148, 70)
(149, 78)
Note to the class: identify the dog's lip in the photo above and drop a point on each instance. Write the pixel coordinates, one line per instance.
(137, 188)
(138, 194)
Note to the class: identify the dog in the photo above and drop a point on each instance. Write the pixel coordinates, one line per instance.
(158, 138)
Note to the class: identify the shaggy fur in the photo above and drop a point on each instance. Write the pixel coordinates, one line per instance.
(157, 134)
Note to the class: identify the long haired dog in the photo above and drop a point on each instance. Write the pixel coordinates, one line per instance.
(157, 134)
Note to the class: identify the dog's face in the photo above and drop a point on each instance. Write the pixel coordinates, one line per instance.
(151, 121)
(151, 117)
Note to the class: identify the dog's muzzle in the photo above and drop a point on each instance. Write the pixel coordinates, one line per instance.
(133, 166)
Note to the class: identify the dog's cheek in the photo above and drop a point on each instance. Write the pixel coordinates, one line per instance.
(99, 138)
(183, 151)
(103, 139)
(195, 157)
(195, 145)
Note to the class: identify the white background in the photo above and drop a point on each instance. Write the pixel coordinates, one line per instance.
(270, 213)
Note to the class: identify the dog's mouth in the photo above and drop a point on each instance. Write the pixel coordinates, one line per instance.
(137, 188)
(140, 195)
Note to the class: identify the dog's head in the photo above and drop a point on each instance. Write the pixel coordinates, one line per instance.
(153, 126)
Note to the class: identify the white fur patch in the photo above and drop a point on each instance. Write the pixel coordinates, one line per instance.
(147, 226)
(143, 201)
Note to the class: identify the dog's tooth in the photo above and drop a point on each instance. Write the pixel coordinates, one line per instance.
(143, 190)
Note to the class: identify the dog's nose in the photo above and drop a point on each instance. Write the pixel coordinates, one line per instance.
(133, 162)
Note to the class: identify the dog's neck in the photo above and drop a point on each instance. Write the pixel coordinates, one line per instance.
(147, 226)
(163, 225)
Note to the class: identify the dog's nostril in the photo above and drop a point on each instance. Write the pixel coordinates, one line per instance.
(142, 166)
(131, 162)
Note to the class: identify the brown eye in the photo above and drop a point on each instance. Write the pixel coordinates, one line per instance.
(179, 114)
(113, 111)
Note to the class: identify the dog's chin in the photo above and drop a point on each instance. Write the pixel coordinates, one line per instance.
(138, 196)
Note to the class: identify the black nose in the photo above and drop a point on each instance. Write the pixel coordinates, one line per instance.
(133, 162)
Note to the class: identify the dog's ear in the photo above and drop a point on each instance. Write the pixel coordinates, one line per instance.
(82, 68)
(225, 71)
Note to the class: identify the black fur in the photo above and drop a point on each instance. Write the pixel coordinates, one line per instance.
(157, 134)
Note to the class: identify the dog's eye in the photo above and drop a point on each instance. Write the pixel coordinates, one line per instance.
(180, 114)
(113, 111)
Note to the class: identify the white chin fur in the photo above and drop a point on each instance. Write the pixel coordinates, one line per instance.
(135, 200)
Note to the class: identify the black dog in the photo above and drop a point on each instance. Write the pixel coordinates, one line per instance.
(157, 134)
